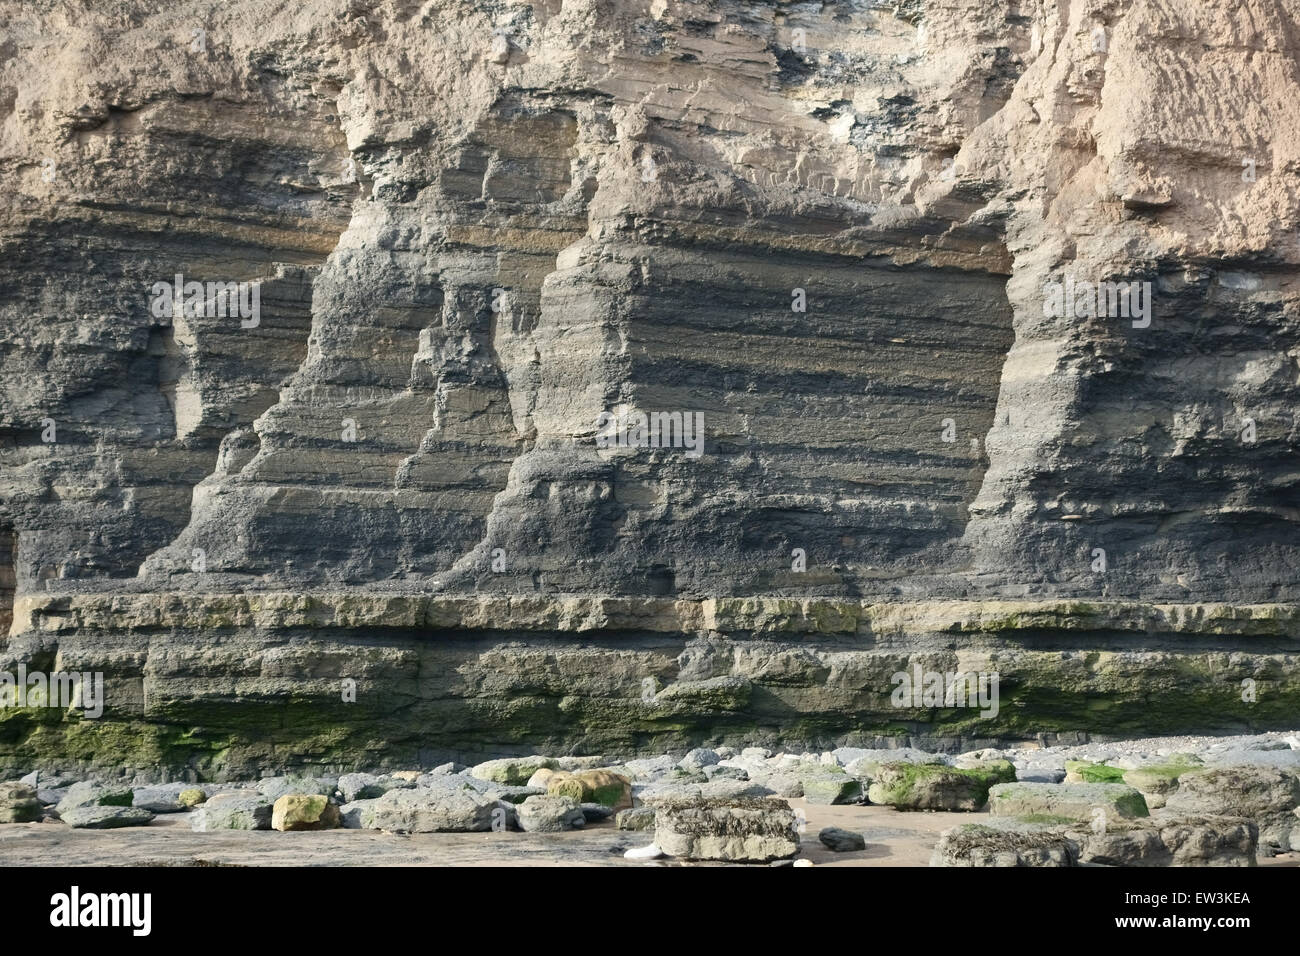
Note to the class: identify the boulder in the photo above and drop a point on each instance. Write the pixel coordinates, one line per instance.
(19, 803)
(638, 818)
(719, 772)
(429, 810)
(549, 814)
(1066, 802)
(350, 814)
(928, 786)
(1155, 781)
(1170, 841)
(162, 798)
(88, 794)
(508, 794)
(831, 786)
(237, 810)
(368, 786)
(699, 758)
(650, 768)
(191, 797)
(1266, 795)
(543, 776)
(302, 811)
(105, 817)
(273, 788)
(592, 786)
(1005, 843)
(739, 830)
(515, 771)
(841, 841)
(864, 763)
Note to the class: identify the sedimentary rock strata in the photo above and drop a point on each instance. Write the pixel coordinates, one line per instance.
(379, 520)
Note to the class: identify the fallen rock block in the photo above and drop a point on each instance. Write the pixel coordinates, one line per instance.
(19, 803)
(928, 786)
(1066, 802)
(831, 786)
(425, 810)
(640, 818)
(549, 814)
(87, 794)
(1005, 843)
(105, 818)
(237, 810)
(1155, 781)
(1266, 795)
(300, 811)
(592, 786)
(741, 830)
(515, 771)
(368, 786)
(841, 841)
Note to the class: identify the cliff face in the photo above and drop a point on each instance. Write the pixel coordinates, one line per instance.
(827, 234)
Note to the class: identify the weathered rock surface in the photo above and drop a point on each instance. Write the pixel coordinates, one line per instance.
(240, 810)
(840, 840)
(928, 786)
(1264, 795)
(18, 803)
(105, 817)
(549, 814)
(1004, 844)
(423, 810)
(1165, 840)
(1079, 802)
(90, 794)
(830, 230)
(304, 812)
(740, 830)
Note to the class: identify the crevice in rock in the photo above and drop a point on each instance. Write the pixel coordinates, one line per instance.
(8, 577)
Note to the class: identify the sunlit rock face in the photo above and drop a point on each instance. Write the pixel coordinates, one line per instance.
(749, 350)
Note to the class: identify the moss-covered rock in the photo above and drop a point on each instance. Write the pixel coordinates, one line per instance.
(1083, 771)
(1082, 802)
(592, 786)
(1157, 781)
(515, 771)
(191, 797)
(831, 786)
(909, 786)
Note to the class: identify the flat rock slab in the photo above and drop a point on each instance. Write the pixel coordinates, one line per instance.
(106, 818)
(1066, 802)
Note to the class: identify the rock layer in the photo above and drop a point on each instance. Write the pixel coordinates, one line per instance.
(825, 231)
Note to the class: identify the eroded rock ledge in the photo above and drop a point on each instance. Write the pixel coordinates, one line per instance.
(237, 683)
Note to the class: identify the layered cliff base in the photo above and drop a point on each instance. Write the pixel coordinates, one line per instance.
(231, 685)
(827, 229)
